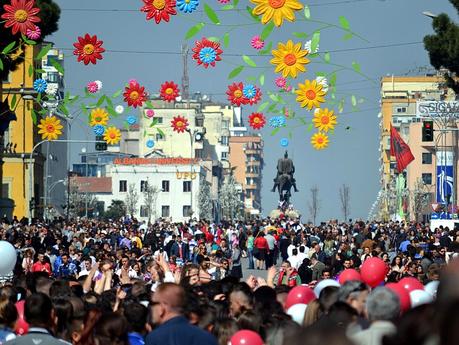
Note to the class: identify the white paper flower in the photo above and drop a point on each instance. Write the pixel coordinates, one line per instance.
(324, 82)
(99, 84)
(119, 109)
(307, 46)
(51, 90)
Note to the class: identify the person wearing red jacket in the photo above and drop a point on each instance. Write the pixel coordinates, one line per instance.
(41, 265)
(288, 275)
(261, 249)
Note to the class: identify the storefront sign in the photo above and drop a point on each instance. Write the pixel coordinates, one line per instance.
(159, 161)
(185, 175)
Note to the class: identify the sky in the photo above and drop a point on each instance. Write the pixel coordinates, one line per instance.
(391, 31)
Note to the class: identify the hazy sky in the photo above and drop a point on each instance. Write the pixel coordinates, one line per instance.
(393, 28)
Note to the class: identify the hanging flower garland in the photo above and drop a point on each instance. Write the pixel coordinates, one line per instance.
(179, 124)
(88, 49)
(169, 91)
(207, 52)
(50, 128)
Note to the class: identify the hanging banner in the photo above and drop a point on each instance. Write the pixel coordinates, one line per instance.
(445, 176)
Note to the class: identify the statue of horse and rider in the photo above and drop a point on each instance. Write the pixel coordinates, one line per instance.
(284, 180)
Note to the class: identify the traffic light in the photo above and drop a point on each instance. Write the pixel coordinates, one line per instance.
(101, 146)
(427, 131)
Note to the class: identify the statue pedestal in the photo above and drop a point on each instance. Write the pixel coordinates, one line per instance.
(289, 213)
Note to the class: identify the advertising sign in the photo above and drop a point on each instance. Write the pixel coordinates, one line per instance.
(445, 176)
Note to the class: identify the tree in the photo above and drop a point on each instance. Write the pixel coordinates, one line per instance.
(116, 210)
(443, 47)
(230, 200)
(420, 198)
(150, 195)
(132, 198)
(204, 200)
(314, 204)
(81, 204)
(345, 198)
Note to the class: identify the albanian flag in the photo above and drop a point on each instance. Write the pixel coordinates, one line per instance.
(400, 150)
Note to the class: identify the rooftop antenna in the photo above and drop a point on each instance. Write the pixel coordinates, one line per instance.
(185, 77)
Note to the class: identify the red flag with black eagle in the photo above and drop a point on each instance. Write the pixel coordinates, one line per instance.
(400, 150)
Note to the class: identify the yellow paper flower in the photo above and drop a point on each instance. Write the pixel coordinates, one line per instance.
(289, 59)
(310, 94)
(277, 10)
(50, 128)
(319, 141)
(98, 117)
(324, 120)
(112, 135)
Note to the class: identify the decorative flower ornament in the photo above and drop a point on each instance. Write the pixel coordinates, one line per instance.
(310, 94)
(207, 52)
(119, 109)
(277, 121)
(150, 143)
(257, 120)
(179, 124)
(159, 9)
(131, 120)
(99, 130)
(149, 113)
(280, 82)
(257, 43)
(224, 1)
(134, 94)
(98, 116)
(92, 87)
(99, 84)
(324, 82)
(249, 91)
(319, 141)
(284, 142)
(255, 99)
(277, 10)
(33, 34)
(88, 49)
(51, 89)
(187, 6)
(236, 95)
(20, 15)
(308, 46)
(40, 85)
(112, 135)
(50, 128)
(289, 59)
(169, 91)
(324, 120)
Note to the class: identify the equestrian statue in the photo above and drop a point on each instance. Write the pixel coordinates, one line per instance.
(284, 180)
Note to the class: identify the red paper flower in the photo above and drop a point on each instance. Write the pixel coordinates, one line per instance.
(88, 49)
(159, 9)
(255, 99)
(235, 94)
(20, 16)
(169, 91)
(257, 120)
(134, 94)
(179, 124)
(207, 52)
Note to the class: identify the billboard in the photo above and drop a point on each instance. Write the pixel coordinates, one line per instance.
(434, 109)
(445, 176)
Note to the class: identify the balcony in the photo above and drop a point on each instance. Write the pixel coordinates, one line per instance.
(252, 174)
(251, 186)
(253, 163)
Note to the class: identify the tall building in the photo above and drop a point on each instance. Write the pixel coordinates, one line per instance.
(406, 103)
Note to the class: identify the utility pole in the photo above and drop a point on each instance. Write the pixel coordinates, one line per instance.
(185, 77)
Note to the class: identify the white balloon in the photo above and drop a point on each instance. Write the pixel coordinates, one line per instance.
(297, 311)
(323, 284)
(432, 287)
(8, 258)
(420, 297)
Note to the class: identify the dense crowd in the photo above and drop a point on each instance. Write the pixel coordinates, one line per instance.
(127, 282)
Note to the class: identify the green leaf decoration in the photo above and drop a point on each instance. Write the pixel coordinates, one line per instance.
(39, 98)
(194, 30)
(34, 116)
(315, 40)
(272, 107)
(353, 100)
(236, 2)
(262, 79)
(13, 102)
(30, 42)
(301, 35)
(228, 7)
(100, 101)
(57, 66)
(39, 71)
(226, 40)
(275, 131)
(63, 109)
(154, 122)
(327, 57)
(8, 48)
(361, 100)
(356, 66)
(112, 111)
(313, 56)
(267, 31)
(307, 12)
(262, 106)
(213, 39)
(267, 49)
(332, 79)
(348, 36)
(235, 72)
(249, 61)
(148, 104)
(109, 102)
(254, 17)
(211, 14)
(344, 23)
(30, 71)
(290, 135)
(251, 78)
(310, 127)
(303, 120)
(117, 94)
(274, 97)
(1, 65)
(43, 52)
(161, 132)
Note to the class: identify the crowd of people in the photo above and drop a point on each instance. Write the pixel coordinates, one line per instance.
(124, 282)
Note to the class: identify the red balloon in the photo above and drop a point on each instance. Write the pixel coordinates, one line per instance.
(373, 271)
(410, 284)
(20, 308)
(246, 337)
(349, 274)
(299, 294)
(22, 327)
(403, 295)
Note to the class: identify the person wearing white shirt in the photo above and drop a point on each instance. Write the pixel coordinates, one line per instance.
(294, 259)
(302, 253)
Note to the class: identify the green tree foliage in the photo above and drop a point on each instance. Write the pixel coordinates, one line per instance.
(116, 210)
(443, 46)
(205, 201)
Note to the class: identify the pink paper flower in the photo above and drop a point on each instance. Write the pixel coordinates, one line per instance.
(133, 82)
(150, 113)
(257, 43)
(92, 87)
(288, 88)
(34, 34)
(281, 82)
(224, 1)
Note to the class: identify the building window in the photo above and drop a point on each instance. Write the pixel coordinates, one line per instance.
(427, 178)
(401, 110)
(187, 211)
(198, 153)
(225, 140)
(224, 155)
(143, 211)
(159, 137)
(123, 186)
(6, 190)
(187, 186)
(165, 211)
(165, 186)
(426, 158)
(143, 186)
(225, 124)
(160, 120)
